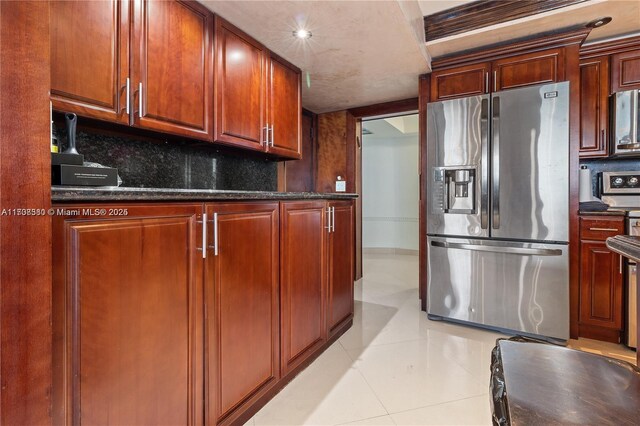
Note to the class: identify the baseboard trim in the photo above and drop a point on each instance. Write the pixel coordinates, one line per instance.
(382, 250)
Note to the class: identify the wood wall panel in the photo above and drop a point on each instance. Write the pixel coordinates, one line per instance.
(25, 252)
(332, 150)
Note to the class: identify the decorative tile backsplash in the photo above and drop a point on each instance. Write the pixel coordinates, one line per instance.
(174, 164)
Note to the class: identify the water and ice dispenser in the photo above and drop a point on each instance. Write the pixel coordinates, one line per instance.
(454, 190)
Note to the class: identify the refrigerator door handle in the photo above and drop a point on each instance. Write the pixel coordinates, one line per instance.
(495, 163)
(523, 251)
(484, 179)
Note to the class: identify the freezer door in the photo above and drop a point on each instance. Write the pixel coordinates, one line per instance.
(457, 148)
(522, 287)
(530, 163)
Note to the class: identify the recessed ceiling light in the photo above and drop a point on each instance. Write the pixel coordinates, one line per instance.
(302, 34)
(596, 23)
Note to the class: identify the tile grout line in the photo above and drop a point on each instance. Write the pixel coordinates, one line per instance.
(439, 403)
(366, 381)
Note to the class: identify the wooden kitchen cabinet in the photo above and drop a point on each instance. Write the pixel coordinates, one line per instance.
(303, 280)
(242, 293)
(240, 87)
(257, 95)
(89, 73)
(172, 77)
(625, 71)
(542, 67)
(601, 280)
(594, 107)
(468, 80)
(128, 316)
(341, 268)
(284, 106)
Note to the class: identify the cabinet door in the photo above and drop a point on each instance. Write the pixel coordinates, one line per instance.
(89, 73)
(303, 280)
(594, 106)
(172, 63)
(600, 285)
(529, 69)
(285, 109)
(459, 82)
(240, 88)
(241, 286)
(341, 258)
(625, 71)
(128, 314)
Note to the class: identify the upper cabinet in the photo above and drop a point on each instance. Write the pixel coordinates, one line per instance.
(172, 68)
(458, 82)
(167, 66)
(89, 73)
(525, 70)
(546, 66)
(594, 106)
(257, 95)
(284, 109)
(625, 71)
(240, 88)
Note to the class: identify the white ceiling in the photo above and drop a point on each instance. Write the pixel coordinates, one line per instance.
(367, 52)
(392, 128)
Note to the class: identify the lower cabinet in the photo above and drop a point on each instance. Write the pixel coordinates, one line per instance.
(241, 287)
(341, 265)
(303, 283)
(127, 316)
(601, 280)
(179, 313)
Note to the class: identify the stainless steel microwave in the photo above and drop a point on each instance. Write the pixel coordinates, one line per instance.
(625, 123)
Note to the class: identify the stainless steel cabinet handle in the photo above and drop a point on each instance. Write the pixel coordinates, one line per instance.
(495, 163)
(128, 108)
(603, 139)
(271, 135)
(620, 258)
(140, 100)
(215, 234)
(265, 140)
(603, 229)
(333, 219)
(495, 81)
(486, 82)
(328, 227)
(484, 173)
(498, 249)
(203, 249)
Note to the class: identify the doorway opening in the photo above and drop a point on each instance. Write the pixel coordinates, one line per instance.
(391, 194)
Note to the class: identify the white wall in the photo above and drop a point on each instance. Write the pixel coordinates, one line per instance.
(390, 191)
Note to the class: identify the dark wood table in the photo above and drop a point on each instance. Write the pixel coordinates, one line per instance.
(544, 384)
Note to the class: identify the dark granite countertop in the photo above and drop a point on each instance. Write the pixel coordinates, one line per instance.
(625, 245)
(604, 213)
(78, 193)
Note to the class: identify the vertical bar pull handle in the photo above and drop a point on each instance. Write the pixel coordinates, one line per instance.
(128, 101)
(620, 257)
(140, 100)
(265, 140)
(484, 164)
(495, 163)
(215, 234)
(271, 130)
(328, 227)
(204, 235)
(333, 219)
(486, 82)
(495, 81)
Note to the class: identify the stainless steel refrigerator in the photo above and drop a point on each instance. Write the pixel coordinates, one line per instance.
(498, 210)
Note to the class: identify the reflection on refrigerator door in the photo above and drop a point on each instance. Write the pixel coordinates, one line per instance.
(503, 285)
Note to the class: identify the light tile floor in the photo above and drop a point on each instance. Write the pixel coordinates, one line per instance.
(394, 366)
